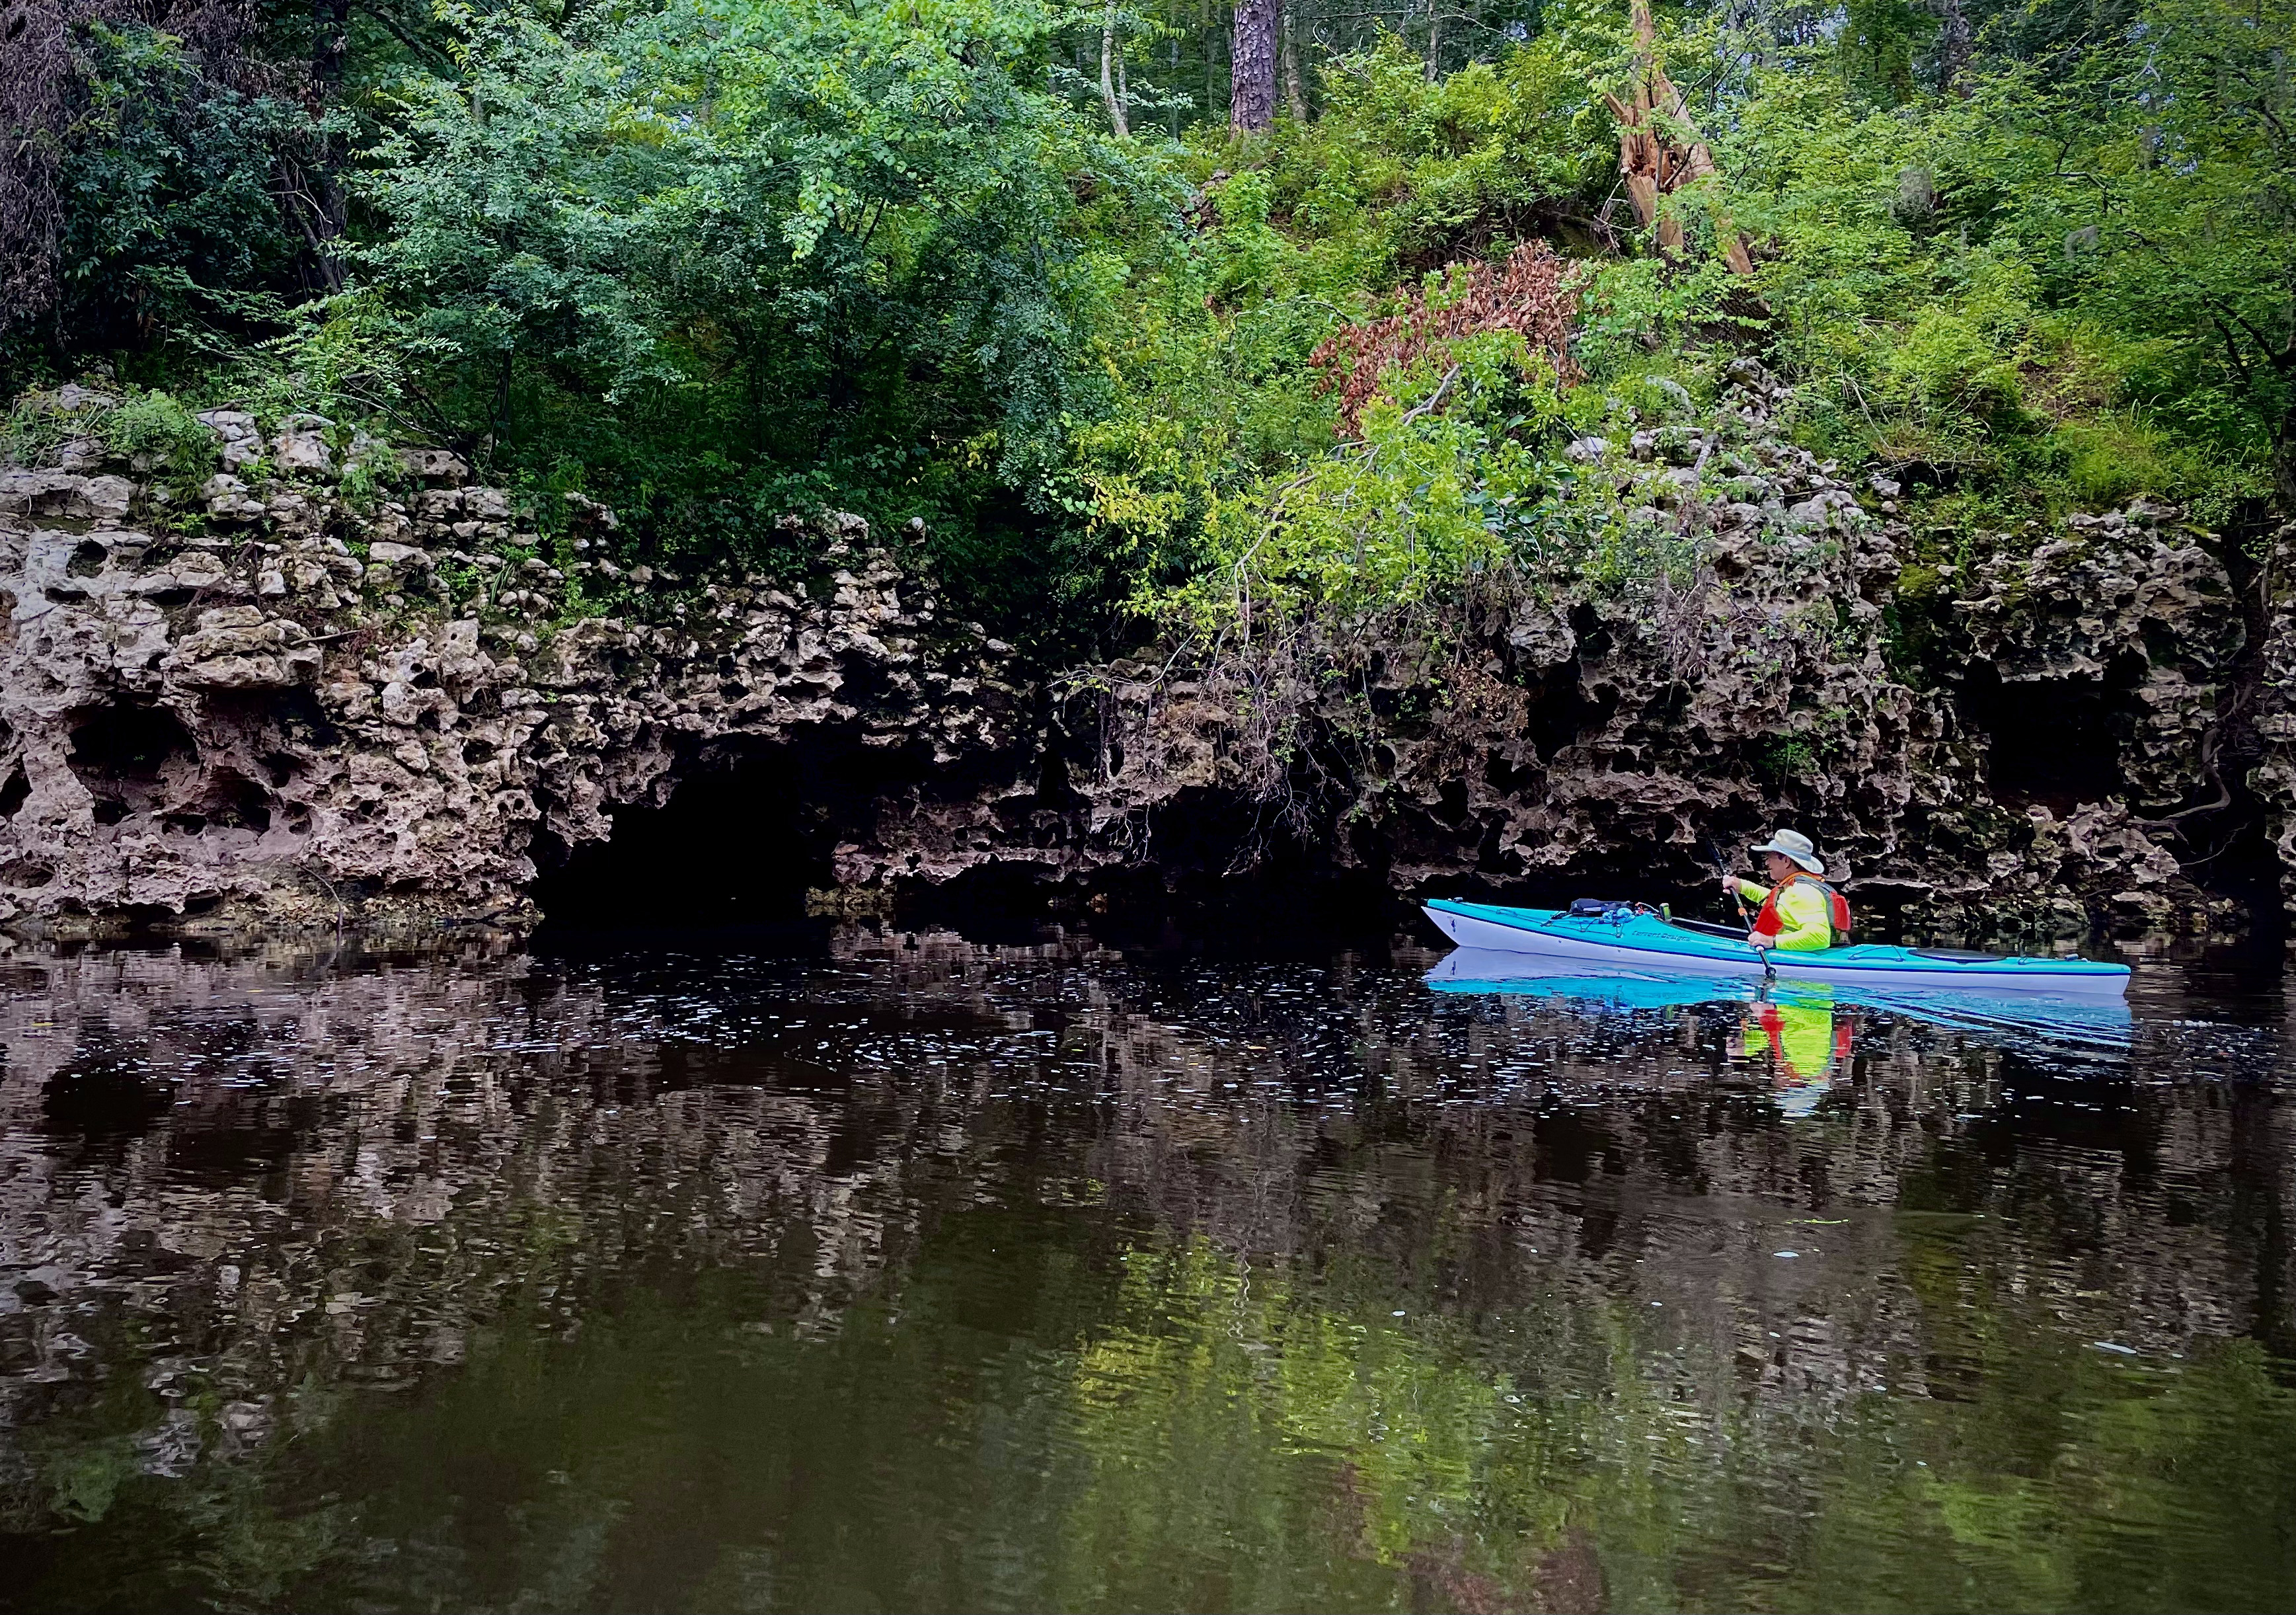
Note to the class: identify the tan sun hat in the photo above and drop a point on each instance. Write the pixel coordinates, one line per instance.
(1795, 846)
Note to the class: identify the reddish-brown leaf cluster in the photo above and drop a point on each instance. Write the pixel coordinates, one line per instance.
(1533, 292)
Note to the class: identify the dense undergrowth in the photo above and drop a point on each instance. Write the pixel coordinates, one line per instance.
(713, 261)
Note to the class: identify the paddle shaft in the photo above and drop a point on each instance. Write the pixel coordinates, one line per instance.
(1722, 868)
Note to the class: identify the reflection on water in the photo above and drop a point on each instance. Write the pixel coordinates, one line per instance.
(1805, 1027)
(917, 1275)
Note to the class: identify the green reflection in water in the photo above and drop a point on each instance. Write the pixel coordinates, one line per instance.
(1062, 1408)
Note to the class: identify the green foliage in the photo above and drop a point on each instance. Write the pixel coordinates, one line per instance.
(160, 437)
(1448, 480)
(36, 427)
(1416, 171)
(1217, 444)
(1880, 41)
(168, 223)
(2070, 287)
(717, 263)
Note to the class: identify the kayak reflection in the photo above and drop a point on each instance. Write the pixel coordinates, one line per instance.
(1799, 1022)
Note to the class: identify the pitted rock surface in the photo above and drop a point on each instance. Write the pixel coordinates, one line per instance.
(1578, 737)
(257, 704)
(2274, 777)
(254, 725)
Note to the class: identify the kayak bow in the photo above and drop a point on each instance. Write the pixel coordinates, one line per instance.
(1648, 941)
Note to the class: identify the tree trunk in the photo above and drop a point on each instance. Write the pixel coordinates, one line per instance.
(1251, 67)
(1434, 40)
(1953, 47)
(317, 199)
(1659, 150)
(1212, 65)
(1109, 68)
(1295, 89)
(1172, 112)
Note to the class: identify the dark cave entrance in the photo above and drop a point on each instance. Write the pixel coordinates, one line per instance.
(740, 841)
(2058, 743)
(2051, 741)
(130, 757)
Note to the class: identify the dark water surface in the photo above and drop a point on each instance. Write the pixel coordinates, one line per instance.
(904, 1274)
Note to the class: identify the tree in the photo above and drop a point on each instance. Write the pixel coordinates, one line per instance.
(51, 114)
(1954, 40)
(730, 263)
(1252, 108)
(1295, 90)
(1112, 68)
(2189, 172)
(1661, 150)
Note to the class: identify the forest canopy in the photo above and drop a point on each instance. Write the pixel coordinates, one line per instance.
(1104, 305)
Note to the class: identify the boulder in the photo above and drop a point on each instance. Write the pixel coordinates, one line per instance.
(301, 448)
(242, 444)
(239, 648)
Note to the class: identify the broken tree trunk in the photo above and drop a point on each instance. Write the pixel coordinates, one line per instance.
(1660, 149)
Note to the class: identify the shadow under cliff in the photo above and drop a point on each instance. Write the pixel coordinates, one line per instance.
(740, 841)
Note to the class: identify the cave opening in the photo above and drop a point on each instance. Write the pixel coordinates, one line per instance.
(126, 756)
(276, 722)
(229, 801)
(2055, 741)
(1562, 713)
(740, 841)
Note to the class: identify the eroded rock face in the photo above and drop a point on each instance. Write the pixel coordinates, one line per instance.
(2273, 778)
(2022, 749)
(262, 706)
(251, 724)
(2088, 683)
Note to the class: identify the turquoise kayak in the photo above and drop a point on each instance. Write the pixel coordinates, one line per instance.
(1637, 937)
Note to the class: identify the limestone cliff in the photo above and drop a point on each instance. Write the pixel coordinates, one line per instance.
(2061, 734)
(345, 683)
(278, 708)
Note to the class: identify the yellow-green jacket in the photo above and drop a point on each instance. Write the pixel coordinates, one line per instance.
(1805, 918)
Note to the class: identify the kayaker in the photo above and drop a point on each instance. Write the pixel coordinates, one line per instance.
(1799, 911)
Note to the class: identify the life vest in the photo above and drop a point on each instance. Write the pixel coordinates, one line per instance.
(1837, 909)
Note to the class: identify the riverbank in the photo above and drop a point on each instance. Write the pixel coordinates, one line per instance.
(323, 684)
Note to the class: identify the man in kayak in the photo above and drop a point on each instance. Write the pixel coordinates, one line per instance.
(1799, 911)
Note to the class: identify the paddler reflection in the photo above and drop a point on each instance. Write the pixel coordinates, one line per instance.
(1806, 1040)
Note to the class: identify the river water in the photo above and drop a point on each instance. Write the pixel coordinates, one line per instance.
(887, 1271)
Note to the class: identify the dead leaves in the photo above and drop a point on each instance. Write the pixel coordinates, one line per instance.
(1534, 293)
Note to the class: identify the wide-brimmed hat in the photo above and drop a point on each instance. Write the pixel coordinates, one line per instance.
(1795, 846)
